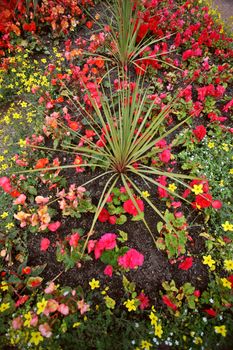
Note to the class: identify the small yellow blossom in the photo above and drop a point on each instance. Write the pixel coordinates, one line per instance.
(172, 187)
(158, 330)
(227, 226)
(207, 260)
(145, 194)
(231, 171)
(36, 338)
(221, 183)
(211, 144)
(4, 307)
(41, 305)
(145, 345)
(197, 340)
(226, 283)
(2, 158)
(28, 318)
(197, 189)
(153, 318)
(23, 104)
(4, 215)
(228, 264)
(76, 324)
(130, 305)
(221, 330)
(10, 225)
(4, 286)
(94, 283)
(22, 143)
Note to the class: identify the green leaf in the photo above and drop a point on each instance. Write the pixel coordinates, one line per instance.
(121, 220)
(124, 236)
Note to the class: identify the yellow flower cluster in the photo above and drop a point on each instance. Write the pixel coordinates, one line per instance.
(207, 260)
(156, 323)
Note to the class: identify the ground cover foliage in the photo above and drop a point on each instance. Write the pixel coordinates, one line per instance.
(116, 175)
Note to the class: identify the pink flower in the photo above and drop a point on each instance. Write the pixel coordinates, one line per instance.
(51, 306)
(73, 241)
(44, 244)
(17, 322)
(91, 245)
(41, 200)
(130, 208)
(20, 200)
(165, 156)
(106, 242)
(83, 307)
(51, 288)
(217, 204)
(186, 264)
(131, 259)
(63, 309)
(108, 270)
(5, 184)
(45, 330)
(54, 226)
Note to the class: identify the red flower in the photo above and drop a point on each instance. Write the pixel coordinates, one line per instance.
(41, 163)
(26, 270)
(106, 242)
(103, 215)
(186, 264)
(21, 300)
(44, 244)
(216, 204)
(144, 301)
(130, 208)
(168, 302)
(73, 241)
(204, 200)
(199, 132)
(211, 312)
(5, 184)
(30, 27)
(131, 259)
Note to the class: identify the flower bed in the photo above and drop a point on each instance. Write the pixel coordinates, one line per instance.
(116, 225)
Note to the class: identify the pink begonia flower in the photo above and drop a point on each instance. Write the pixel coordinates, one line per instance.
(5, 184)
(131, 259)
(17, 322)
(74, 238)
(51, 288)
(34, 320)
(63, 309)
(45, 330)
(44, 244)
(108, 270)
(165, 156)
(51, 306)
(131, 209)
(54, 226)
(20, 200)
(41, 200)
(217, 204)
(91, 245)
(106, 242)
(83, 307)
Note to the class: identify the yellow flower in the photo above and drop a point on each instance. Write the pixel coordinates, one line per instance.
(211, 144)
(197, 189)
(158, 330)
(23, 104)
(4, 286)
(36, 338)
(41, 305)
(207, 260)
(2, 158)
(153, 318)
(10, 225)
(226, 283)
(221, 183)
(4, 215)
(76, 324)
(130, 305)
(94, 283)
(172, 187)
(228, 264)
(145, 194)
(231, 171)
(197, 340)
(22, 143)
(28, 318)
(145, 345)
(221, 330)
(227, 226)
(4, 307)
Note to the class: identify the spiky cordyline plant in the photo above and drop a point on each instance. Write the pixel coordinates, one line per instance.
(128, 142)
